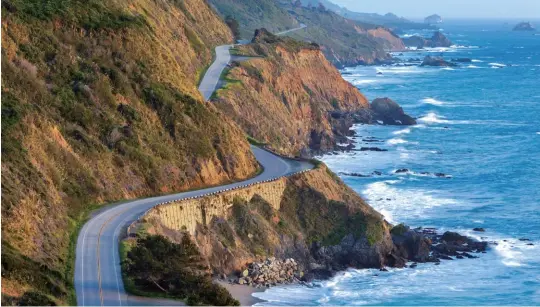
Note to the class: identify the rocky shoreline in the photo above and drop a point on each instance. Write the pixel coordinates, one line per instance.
(411, 247)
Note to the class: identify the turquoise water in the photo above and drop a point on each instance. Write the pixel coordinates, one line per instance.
(480, 124)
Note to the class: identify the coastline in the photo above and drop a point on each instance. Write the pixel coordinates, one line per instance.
(244, 294)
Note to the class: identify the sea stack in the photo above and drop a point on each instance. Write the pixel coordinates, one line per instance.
(433, 19)
(524, 26)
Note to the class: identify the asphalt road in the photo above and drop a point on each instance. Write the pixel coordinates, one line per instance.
(98, 279)
(211, 78)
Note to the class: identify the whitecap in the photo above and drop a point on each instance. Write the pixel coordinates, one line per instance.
(447, 68)
(497, 64)
(433, 118)
(477, 61)
(432, 101)
(402, 204)
(472, 66)
(396, 141)
(403, 131)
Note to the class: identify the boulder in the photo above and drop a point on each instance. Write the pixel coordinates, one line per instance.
(479, 229)
(390, 113)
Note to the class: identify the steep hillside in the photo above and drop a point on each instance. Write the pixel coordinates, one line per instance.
(287, 95)
(344, 42)
(255, 14)
(99, 103)
(389, 20)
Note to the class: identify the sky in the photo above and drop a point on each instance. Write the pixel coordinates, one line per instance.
(511, 9)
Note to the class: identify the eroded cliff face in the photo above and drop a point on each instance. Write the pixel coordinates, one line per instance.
(391, 41)
(286, 96)
(320, 222)
(99, 103)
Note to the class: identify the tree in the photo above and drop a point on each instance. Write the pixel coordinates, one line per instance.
(158, 265)
(233, 25)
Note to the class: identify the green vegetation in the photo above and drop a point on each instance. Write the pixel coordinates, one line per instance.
(99, 103)
(254, 141)
(399, 229)
(157, 265)
(233, 25)
(345, 41)
(327, 221)
(253, 15)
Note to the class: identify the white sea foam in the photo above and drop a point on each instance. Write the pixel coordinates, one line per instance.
(538, 132)
(432, 118)
(396, 141)
(497, 64)
(477, 61)
(402, 204)
(433, 101)
(365, 81)
(472, 66)
(447, 68)
(403, 131)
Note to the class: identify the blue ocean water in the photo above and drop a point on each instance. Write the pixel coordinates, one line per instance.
(478, 123)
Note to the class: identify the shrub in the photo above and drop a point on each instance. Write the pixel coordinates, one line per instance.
(176, 270)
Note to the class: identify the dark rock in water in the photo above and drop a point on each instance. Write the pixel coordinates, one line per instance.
(437, 62)
(372, 149)
(372, 141)
(353, 174)
(377, 173)
(442, 175)
(524, 26)
(383, 269)
(462, 60)
(454, 237)
(437, 40)
(524, 239)
(389, 112)
(479, 229)
(411, 245)
(530, 244)
(379, 73)
(402, 170)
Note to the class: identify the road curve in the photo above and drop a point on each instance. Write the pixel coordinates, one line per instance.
(98, 278)
(211, 78)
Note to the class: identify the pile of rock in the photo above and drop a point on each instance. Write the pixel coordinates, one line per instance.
(270, 273)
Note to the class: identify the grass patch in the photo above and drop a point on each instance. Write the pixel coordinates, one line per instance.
(255, 142)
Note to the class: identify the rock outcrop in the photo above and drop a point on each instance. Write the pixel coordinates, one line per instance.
(437, 40)
(389, 112)
(289, 96)
(524, 26)
(436, 61)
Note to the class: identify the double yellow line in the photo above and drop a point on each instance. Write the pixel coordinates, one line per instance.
(98, 255)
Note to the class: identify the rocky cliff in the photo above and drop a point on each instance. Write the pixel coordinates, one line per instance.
(285, 96)
(319, 221)
(99, 103)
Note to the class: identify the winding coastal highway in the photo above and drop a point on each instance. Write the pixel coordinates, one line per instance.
(98, 276)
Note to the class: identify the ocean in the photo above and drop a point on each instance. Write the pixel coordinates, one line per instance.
(479, 124)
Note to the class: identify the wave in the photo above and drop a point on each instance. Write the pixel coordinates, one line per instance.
(447, 68)
(477, 61)
(407, 131)
(366, 81)
(497, 64)
(396, 141)
(433, 101)
(472, 66)
(433, 118)
(402, 204)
